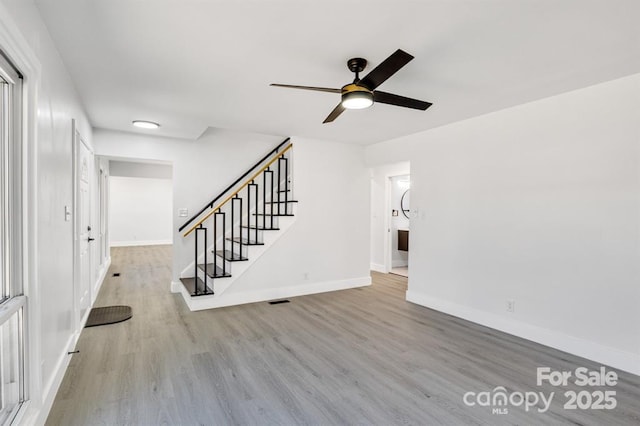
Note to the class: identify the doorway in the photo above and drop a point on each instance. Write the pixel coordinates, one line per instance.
(140, 203)
(399, 221)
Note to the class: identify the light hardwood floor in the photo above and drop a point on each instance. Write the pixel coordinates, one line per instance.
(362, 356)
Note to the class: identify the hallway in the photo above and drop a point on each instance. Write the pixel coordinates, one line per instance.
(361, 356)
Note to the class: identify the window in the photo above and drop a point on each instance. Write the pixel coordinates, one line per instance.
(12, 300)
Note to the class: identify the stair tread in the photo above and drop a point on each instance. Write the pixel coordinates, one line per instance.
(274, 214)
(214, 273)
(261, 228)
(230, 256)
(190, 285)
(245, 241)
(281, 202)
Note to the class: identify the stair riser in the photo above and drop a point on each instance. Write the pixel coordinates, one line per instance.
(220, 272)
(190, 287)
(247, 243)
(237, 268)
(230, 260)
(220, 285)
(274, 207)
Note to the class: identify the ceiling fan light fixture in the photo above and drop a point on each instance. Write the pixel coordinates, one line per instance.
(143, 124)
(357, 99)
(362, 93)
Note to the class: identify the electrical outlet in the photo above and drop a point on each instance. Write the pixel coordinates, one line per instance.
(511, 305)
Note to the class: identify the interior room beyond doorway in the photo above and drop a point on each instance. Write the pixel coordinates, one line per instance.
(141, 203)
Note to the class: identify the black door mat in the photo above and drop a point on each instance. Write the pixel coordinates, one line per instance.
(108, 315)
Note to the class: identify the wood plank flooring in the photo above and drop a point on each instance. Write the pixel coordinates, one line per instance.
(362, 356)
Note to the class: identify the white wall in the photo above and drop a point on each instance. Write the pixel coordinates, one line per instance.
(140, 170)
(540, 204)
(201, 168)
(141, 211)
(51, 104)
(330, 239)
(379, 176)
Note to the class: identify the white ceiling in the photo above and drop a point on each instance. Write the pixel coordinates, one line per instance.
(192, 64)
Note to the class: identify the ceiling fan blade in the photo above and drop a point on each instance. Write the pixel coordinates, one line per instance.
(334, 114)
(391, 99)
(386, 69)
(315, 89)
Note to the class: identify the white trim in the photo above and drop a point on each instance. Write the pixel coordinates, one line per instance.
(616, 358)
(98, 284)
(10, 307)
(51, 388)
(387, 223)
(19, 52)
(388, 251)
(141, 243)
(253, 253)
(175, 286)
(209, 302)
(378, 268)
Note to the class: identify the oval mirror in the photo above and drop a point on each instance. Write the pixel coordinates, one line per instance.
(404, 204)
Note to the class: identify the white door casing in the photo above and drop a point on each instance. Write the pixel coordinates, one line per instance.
(102, 216)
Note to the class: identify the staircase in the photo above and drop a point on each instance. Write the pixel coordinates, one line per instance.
(239, 225)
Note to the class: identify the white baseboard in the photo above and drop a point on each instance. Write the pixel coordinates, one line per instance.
(613, 357)
(232, 299)
(176, 286)
(101, 276)
(399, 263)
(253, 253)
(378, 268)
(141, 243)
(50, 389)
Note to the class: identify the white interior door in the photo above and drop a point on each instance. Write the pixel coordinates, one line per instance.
(83, 222)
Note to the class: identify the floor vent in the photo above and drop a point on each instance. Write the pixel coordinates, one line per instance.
(277, 302)
(117, 274)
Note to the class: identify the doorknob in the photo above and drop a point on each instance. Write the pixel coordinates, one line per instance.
(90, 239)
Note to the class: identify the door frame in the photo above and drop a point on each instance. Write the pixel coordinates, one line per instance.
(388, 261)
(77, 139)
(102, 212)
(101, 219)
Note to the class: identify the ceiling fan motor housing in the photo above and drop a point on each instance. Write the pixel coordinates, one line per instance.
(356, 64)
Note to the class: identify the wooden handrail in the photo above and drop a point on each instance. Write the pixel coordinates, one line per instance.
(247, 182)
(210, 204)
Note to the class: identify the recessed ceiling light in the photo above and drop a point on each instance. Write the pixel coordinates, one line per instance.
(145, 124)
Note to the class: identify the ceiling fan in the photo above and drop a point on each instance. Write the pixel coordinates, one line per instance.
(361, 93)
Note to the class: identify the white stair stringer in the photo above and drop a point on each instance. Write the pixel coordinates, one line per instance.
(237, 269)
